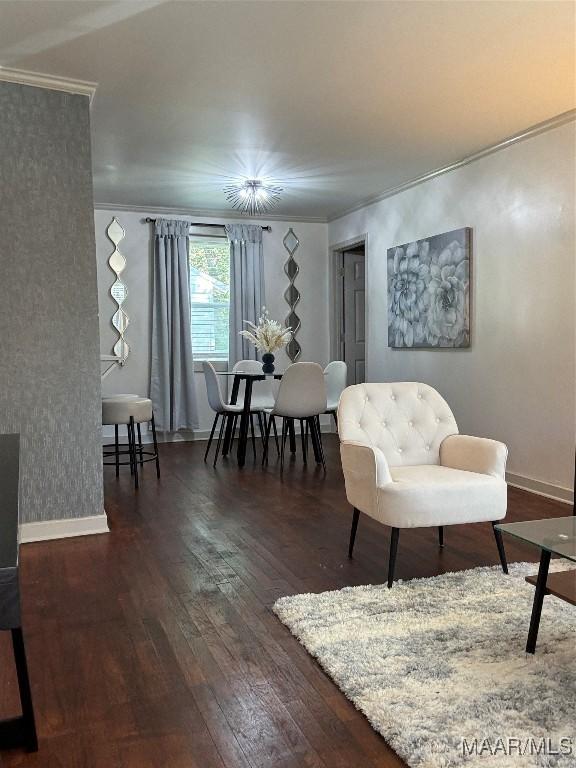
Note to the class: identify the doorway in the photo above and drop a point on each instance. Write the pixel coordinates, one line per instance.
(350, 294)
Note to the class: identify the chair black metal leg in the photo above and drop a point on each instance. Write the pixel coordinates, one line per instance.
(225, 421)
(315, 430)
(275, 435)
(260, 424)
(292, 434)
(24, 688)
(140, 444)
(441, 535)
(253, 436)
(234, 425)
(134, 456)
(116, 450)
(283, 443)
(211, 435)
(538, 601)
(155, 441)
(355, 518)
(303, 440)
(266, 439)
(393, 552)
(500, 545)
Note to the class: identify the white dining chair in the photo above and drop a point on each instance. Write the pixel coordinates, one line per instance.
(301, 396)
(221, 408)
(406, 466)
(335, 375)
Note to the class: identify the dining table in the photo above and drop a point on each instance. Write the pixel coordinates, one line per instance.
(249, 377)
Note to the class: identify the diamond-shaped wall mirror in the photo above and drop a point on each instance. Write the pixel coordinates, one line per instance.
(118, 290)
(292, 294)
(291, 242)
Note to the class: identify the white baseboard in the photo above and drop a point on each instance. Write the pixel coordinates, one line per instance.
(63, 529)
(541, 488)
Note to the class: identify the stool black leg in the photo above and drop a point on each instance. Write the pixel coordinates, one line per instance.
(155, 440)
(303, 440)
(130, 455)
(117, 450)
(132, 441)
(140, 444)
(25, 692)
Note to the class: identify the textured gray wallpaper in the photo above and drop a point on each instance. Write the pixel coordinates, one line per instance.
(49, 343)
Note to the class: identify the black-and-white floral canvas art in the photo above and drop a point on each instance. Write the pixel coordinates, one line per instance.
(429, 292)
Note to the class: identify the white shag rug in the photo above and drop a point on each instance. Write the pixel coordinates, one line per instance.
(438, 666)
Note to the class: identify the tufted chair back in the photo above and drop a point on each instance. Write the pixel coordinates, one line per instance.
(407, 420)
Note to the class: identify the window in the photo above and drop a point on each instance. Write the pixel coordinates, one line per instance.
(209, 260)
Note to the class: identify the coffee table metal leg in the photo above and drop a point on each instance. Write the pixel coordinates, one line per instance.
(538, 601)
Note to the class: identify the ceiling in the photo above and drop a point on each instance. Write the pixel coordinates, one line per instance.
(336, 101)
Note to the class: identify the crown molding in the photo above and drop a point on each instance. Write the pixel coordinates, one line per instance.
(208, 213)
(529, 133)
(52, 82)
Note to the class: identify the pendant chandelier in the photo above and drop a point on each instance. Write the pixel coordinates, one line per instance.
(252, 197)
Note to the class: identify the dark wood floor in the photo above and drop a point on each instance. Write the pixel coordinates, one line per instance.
(154, 646)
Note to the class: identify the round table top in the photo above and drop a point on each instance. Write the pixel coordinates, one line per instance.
(254, 374)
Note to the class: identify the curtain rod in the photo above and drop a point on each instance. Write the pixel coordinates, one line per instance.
(148, 220)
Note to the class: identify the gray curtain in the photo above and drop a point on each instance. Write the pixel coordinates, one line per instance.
(172, 368)
(246, 286)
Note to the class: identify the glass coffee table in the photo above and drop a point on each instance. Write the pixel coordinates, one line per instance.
(554, 536)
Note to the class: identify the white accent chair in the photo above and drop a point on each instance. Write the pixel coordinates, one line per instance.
(220, 408)
(406, 466)
(302, 396)
(335, 374)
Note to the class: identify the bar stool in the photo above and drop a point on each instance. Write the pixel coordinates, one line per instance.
(131, 411)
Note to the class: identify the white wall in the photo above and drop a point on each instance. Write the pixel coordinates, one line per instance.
(516, 382)
(312, 257)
